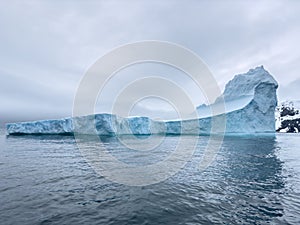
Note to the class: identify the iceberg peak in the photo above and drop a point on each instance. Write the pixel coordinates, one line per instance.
(256, 70)
(244, 84)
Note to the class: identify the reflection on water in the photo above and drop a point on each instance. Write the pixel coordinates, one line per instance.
(255, 174)
(253, 180)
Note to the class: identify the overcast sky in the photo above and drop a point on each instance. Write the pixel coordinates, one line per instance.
(47, 46)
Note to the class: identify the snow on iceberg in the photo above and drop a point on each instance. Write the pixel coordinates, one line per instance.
(250, 101)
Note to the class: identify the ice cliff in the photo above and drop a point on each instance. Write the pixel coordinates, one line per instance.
(250, 101)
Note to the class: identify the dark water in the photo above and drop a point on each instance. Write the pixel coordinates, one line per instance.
(253, 180)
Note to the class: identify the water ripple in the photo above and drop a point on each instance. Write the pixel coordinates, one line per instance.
(45, 180)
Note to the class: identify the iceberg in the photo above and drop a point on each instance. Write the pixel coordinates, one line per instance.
(250, 102)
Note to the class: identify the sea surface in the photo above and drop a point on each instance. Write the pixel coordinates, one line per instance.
(252, 180)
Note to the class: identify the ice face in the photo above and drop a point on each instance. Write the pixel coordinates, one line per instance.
(258, 115)
(250, 101)
(61, 126)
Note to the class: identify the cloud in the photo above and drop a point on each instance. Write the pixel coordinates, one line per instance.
(46, 46)
(290, 91)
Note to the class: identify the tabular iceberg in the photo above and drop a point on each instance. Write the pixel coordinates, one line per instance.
(250, 101)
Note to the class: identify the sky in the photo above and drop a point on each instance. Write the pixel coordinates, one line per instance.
(46, 47)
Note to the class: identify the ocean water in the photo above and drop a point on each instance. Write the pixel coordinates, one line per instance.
(252, 180)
